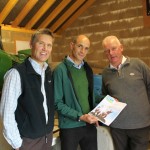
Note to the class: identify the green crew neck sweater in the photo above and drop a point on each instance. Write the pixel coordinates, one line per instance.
(81, 87)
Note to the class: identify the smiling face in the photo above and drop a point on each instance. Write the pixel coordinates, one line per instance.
(113, 50)
(41, 48)
(79, 49)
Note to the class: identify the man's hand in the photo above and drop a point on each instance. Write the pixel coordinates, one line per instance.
(89, 119)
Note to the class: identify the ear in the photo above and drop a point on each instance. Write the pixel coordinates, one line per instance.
(30, 45)
(121, 47)
(71, 45)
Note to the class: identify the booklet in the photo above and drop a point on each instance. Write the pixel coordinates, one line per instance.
(108, 109)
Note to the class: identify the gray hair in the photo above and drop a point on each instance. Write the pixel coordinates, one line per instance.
(109, 38)
(41, 31)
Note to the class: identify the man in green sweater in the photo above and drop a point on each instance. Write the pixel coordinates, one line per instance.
(73, 82)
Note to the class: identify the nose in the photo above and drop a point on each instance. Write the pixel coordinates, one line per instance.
(111, 51)
(83, 49)
(45, 47)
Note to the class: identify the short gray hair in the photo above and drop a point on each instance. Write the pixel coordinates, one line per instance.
(41, 31)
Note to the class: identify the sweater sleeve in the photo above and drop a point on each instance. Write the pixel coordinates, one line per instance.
(64, 96)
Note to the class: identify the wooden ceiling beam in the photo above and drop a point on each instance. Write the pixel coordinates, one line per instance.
(29, 5)
(75, 16)
(66, 15)
(55, 12)
(7, 9)
(39, 13)
(10, 28)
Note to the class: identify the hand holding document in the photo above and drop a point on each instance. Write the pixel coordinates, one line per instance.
(107, 110)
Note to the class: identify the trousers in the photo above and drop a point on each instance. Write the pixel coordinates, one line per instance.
(130, 139)
(85, 136)
(42, 143)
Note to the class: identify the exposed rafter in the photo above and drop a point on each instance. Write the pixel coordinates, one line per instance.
(7, 9)
(24, 12)
(39, 13)
(56, 15)
(75, 16)
(69, 12)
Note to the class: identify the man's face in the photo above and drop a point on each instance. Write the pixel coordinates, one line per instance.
(79, 49)
(113, 52)
(41, 48)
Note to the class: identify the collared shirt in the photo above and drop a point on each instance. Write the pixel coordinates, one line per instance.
(75, 65)
(9, 100)
(123, 60)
